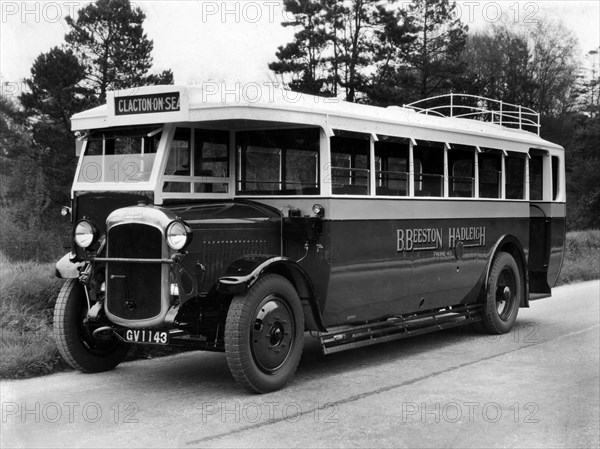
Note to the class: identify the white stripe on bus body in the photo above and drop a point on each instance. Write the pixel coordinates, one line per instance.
(382, 208)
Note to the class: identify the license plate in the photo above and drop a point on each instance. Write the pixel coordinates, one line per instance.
(146, 336)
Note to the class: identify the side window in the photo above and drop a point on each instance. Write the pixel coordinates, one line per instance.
(391, 162)
(211, 160)
(490, 165)
(350, 164)
(94, 147)
(178, 163)
(515, 177)
(278, 162)
(555, 179)
(536, 178)
(461, 165)
(201, 155)
(429, 169)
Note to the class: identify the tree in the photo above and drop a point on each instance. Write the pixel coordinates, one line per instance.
(390, 84)
(433, 58)
(106, 48)
(333, 51)
(352, 33)
(109, 40)
(583, 162)
(55, 88)
(535, 67)
(303, 58)
(497, 63)
(554, 67)
(55, 94)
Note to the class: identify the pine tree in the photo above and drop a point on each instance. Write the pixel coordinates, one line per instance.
(109, 40)
(303, 58)
(433, 58)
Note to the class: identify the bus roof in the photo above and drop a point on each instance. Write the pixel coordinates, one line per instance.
(257, 105)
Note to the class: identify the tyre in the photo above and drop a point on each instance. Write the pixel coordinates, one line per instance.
(264, 335)
(74, 340)
(503, 295)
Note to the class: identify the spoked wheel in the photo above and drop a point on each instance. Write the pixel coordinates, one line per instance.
(264, 335)
(74, 339)
(503, 295)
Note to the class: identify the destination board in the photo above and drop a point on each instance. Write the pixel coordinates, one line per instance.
(147, 104)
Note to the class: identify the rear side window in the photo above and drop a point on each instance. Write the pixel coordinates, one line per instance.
(490, 166)
(461, 164)
(555, 180)
(429, 169)
(536, 178)
(515, 177)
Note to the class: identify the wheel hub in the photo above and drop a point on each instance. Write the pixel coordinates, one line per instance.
(276, 334)
(272, 334)
(505, 295)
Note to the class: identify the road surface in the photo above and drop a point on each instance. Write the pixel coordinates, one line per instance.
(537, 386)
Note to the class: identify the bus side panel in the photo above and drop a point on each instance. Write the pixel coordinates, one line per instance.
(367, 272)
(374, 275)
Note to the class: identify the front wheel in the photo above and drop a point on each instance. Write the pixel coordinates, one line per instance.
(503, 295)
(74, 339)
(264, 335)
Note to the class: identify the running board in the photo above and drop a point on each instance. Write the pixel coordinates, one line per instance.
(395, 328)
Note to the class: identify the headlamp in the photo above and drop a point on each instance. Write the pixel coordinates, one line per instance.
(85, 234)
(179, 235)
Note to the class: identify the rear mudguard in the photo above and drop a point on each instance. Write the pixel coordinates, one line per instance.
(510, 244)
(244, 272)
(66, 269)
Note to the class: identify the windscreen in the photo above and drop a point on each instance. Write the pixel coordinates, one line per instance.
(120, 155)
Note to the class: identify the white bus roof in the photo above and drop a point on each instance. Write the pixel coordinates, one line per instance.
(258, 105)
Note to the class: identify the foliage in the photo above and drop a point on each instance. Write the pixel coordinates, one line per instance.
(304, 57)
(534, 68)
(582, 251)
(497, 66)
(109, 40)
(27, 292)
(372, 51)
(105, 48)
(331, 52)
(434, 56)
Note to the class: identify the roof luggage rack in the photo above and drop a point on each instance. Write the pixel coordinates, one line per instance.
(479, 108)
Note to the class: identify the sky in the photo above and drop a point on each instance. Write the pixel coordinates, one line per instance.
(233, 41)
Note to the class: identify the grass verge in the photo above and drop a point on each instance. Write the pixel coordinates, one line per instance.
(582, 257)
(28, 291)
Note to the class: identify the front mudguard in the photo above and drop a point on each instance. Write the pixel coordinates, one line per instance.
(242, 273)
(66, 269)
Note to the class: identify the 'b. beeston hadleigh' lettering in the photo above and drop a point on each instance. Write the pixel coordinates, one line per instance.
(423, 239)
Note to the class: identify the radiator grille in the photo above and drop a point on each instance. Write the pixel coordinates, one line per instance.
(133, 290)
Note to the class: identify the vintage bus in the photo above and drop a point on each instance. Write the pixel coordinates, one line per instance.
(236, 221)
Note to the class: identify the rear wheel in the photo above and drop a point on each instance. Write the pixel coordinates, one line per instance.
(264, 335)
(503, 295)
(74, 339)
